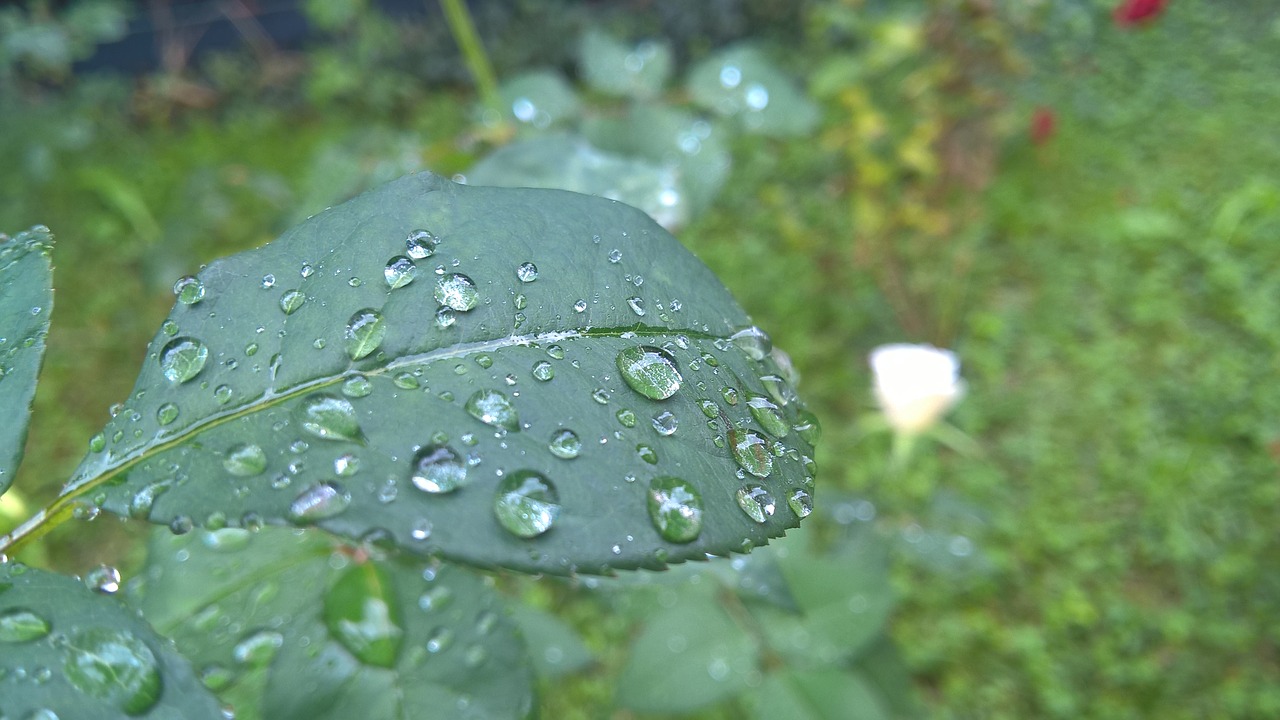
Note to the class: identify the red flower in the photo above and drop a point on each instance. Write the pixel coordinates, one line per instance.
(1130, 13)
(1043, 123)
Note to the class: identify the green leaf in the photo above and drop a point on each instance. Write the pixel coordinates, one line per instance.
(284, 624)
(614, 68)
(689, 655)
(26, 301)
(448, 437)
(741, 82)
(539, 99)
(822, 694)
(554, 648)
(567, 162)
(67, 650)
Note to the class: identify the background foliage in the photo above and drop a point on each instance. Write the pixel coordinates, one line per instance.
(1085, 211)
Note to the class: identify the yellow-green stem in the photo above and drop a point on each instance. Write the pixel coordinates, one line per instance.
(464, 33)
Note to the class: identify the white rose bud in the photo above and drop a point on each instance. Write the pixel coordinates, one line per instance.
(915, 385)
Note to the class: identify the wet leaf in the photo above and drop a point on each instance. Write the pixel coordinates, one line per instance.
(610, 66)
(438, 434)
(26, 301)
(743, 83)
(71, 651)
(287, 625)
(539, 99)
(822, 694)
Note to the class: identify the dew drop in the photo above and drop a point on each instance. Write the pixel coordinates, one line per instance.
(807, 426)
(330, 418)
(543, 371)
(257, 649)
(801, 502)
(222, 394)
(421, 530)
(754, 342)
(439, 640)
(18, 625)
(493, 408)
(357, 386)
(484, 361)
(615, 255)
(113, 666)
(626, 417)
(751, 452)
(457, 292)
(245, 460)
(709, 408)
(182, 359)
(166, 413)
(649, 371)
(362, 612)
(189, 290)
(665, 423)
(319, 502)
(438, 469)
(756, 502)
(291, 300)
(526, 504)
(421, 244)
(445, 316)
(580, 306)
(365, 331)
(555, 352)
(527, 272)
(565, 444)
(104, 579)
(647, 454)
(730, 395)
(675, 507)
(767, 414)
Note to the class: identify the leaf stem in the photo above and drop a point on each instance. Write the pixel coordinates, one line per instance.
(37, 526)
(464, 33)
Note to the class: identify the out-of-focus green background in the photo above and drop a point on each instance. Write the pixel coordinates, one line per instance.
(1086, 210)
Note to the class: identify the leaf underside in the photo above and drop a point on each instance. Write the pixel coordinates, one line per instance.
(600, 264)
(26, 301)
(68, 650)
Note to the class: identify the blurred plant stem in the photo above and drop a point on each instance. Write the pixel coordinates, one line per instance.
(464, 33)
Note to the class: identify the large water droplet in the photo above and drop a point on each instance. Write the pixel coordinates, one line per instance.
(245, 460)
(767, 414)
(291, 300)
(565, 444)
(438, 469)
(754, 342)
(543, 371)
(166, 413)
(649, 371)
(457, 292)
(18, 625)
(113, 666)
(526, 504)
(421, 244)
(665, 423)
(357, 386)
(756, 502)
(752, 452)
(319, 502)
(527, 272)
(183, 358)
(189, 290)
(365, 331)
(330, 417)
(675, 506)
(362, 612)
(807, 426)
(104, 579)
(801, 502)
(493, 408)
(400, 271)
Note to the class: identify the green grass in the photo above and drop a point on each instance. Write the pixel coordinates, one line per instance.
(1121, 341)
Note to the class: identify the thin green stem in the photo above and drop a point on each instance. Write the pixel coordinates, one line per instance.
(464, 33)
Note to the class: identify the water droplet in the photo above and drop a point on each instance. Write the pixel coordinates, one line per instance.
(438, 469)
(527, 272)
(565, 444)
(182, 359)
(257, 650)
(113, 666)
(291, 300)
(166, 413)
(756, 502)
(189, 290)
(222, 394)
(709, 408)
(665, 423)
(675, 507)
(615, 255)
(647, 454)
(445, 316)
(104, 579)
(346, 465)
(355, 282)
(730, 395)
(766, 413)
(169, 328)
(626, 417)
(18, 625)
(227, 539)
(365, 331)
(306, 270)
(484, 361)
(637, 305)
(526, 504)
(555, 352)
(97, 443)
(807, 426)
(181, 525)
(801, 502)
(543, 371)
(362, 612)
(600, 395)
(330, 418)
(245, 460)
(421, 530)
(649, 371)
(457, 292)
(580, 306)
(400, 271)
(357, 386)
(421, 244)
(405, 381)
(439, 640)
(319, 502)
(752, 452)
(493, 408)
(268, 281)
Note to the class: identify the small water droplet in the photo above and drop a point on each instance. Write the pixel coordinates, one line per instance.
(445, 316)
(330, 417)
(362, 612)
(767, 414)
(365, 331)
(600, 395)
(801, 502)
(484, 361)
(438, 469)
(636, 304)
(166, 413)
(756, 502)
(346, 465)
(355, 282)
(189, 290)
(291, 300)
(319, 502)
(257, 649)
(169, 327)
(615, 255)
(649, 371)
(493, 408)
(97, 443)
(439, 640)
(565, 444)
(306, 270)
(18, 625)
(807, 426)
(752, 452)
(665, 423)
(526, 504)
(114, 666)
(104, 579)
(182, 359)
(245, 460)
(405, 381)
(555, 352)
(580, 306)
(222, 394)
(730, 395)
(647, 454)
(357, 386)
(675, 507)
(400, 271)
(421, 244)
(421, 530)
(543, 371)
(268, 281)
(627, 418)
(457, 292)
(527, 272)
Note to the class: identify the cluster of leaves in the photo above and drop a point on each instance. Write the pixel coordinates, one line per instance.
(39, 44)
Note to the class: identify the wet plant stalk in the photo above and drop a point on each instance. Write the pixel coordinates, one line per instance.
(464, 33)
